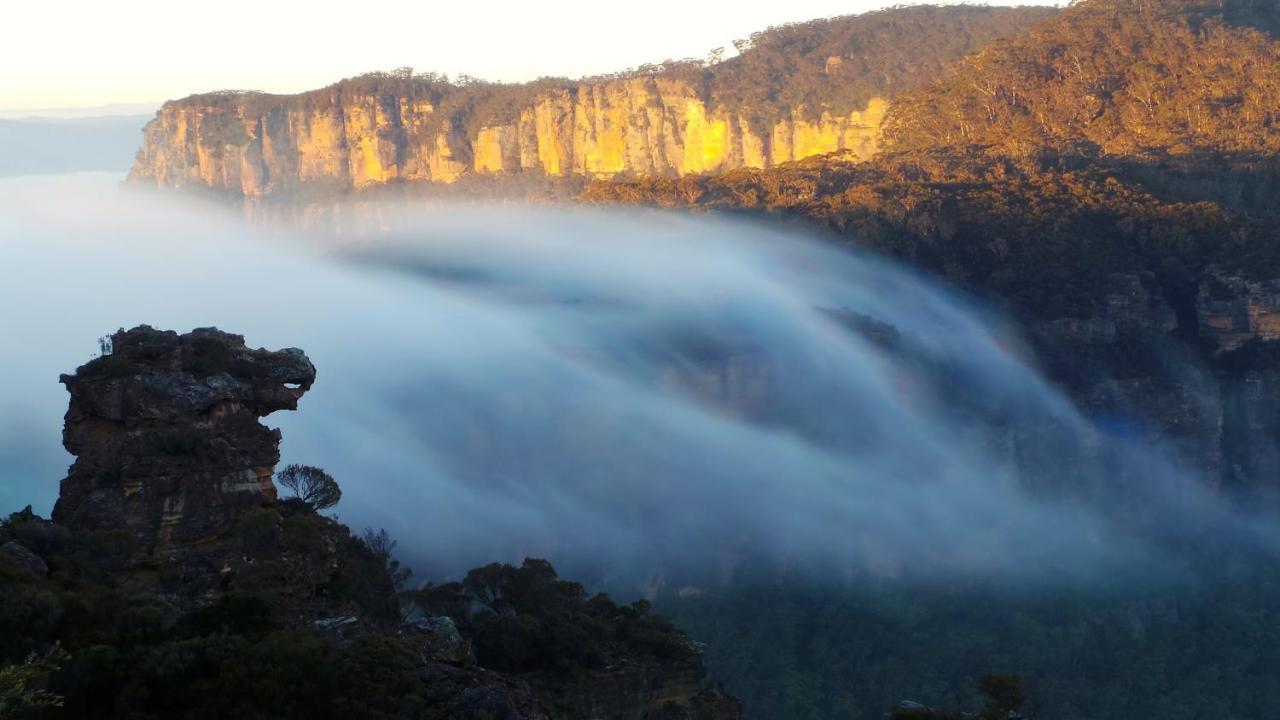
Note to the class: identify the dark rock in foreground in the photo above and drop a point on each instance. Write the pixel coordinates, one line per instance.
(169, 450)
(18, 555)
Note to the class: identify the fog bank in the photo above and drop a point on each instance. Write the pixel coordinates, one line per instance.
(621, 392)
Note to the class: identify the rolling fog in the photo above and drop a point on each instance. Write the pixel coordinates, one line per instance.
(624, 393)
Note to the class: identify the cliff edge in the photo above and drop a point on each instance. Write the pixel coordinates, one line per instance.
(793, 92)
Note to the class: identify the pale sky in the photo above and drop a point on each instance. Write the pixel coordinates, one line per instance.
(78, 53)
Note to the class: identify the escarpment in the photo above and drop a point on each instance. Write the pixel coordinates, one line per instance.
(794, 92)
(644, 126)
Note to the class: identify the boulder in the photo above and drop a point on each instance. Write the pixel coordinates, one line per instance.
(16, 554)
(438, 640)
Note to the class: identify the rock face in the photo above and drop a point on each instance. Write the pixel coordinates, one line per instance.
(1217, 405)
(169, 450)
(791, 92)
(347, 138)
(1232, 311)
(1125, 368)
(17, 554)
(1239, 323)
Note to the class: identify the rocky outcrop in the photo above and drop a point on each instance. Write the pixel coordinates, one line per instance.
(1239, 322)
(17, 554)
(345, 138)
(1124, 367)
(170, 504)
(169, 451)
(1232, 311)
(1131, 367)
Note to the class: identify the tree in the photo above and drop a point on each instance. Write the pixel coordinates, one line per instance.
(383, 546)
(312, 485)
(23, 686)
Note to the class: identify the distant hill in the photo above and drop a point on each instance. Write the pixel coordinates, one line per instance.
(1113, 77)
(840, 64)
(60, 145)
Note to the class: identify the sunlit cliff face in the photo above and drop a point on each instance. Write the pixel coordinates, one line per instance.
(614, 391)
(642, 126)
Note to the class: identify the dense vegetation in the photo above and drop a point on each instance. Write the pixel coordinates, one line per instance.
(1036, 235)
(817, 653)
(546, 625)
(83, 641)
(839, 64)
(108, 649)
(1113, 77)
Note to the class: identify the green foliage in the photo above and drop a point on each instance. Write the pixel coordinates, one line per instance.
(383, 547)
(108, 366)
(257, 650)
(839, 64)
(29, 613)
(1176, 654)
(1112, 77)
(312, 485)
(238, 614)
(1036, 234)
(259, 532)
(24, 686)
(533, 622)
(140, 655)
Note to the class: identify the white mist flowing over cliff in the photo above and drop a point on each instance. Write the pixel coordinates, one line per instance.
(617, 391)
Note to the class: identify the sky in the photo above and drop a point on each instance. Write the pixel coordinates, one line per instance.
(89, 53)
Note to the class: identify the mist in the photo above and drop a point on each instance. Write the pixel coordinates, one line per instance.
(629, 394)
(55, 145)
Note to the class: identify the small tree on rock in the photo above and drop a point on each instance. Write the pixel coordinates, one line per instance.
(383, 547)
(312, 485)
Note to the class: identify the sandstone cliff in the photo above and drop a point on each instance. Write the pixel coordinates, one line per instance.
(642, 126)
(168, 446)
(794, 92)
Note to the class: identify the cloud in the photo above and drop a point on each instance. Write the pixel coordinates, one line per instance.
(621, 392)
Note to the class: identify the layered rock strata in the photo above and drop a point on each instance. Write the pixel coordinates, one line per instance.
(254, 145)
(169, 451)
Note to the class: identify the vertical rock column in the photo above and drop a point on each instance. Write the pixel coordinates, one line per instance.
(169, 450)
